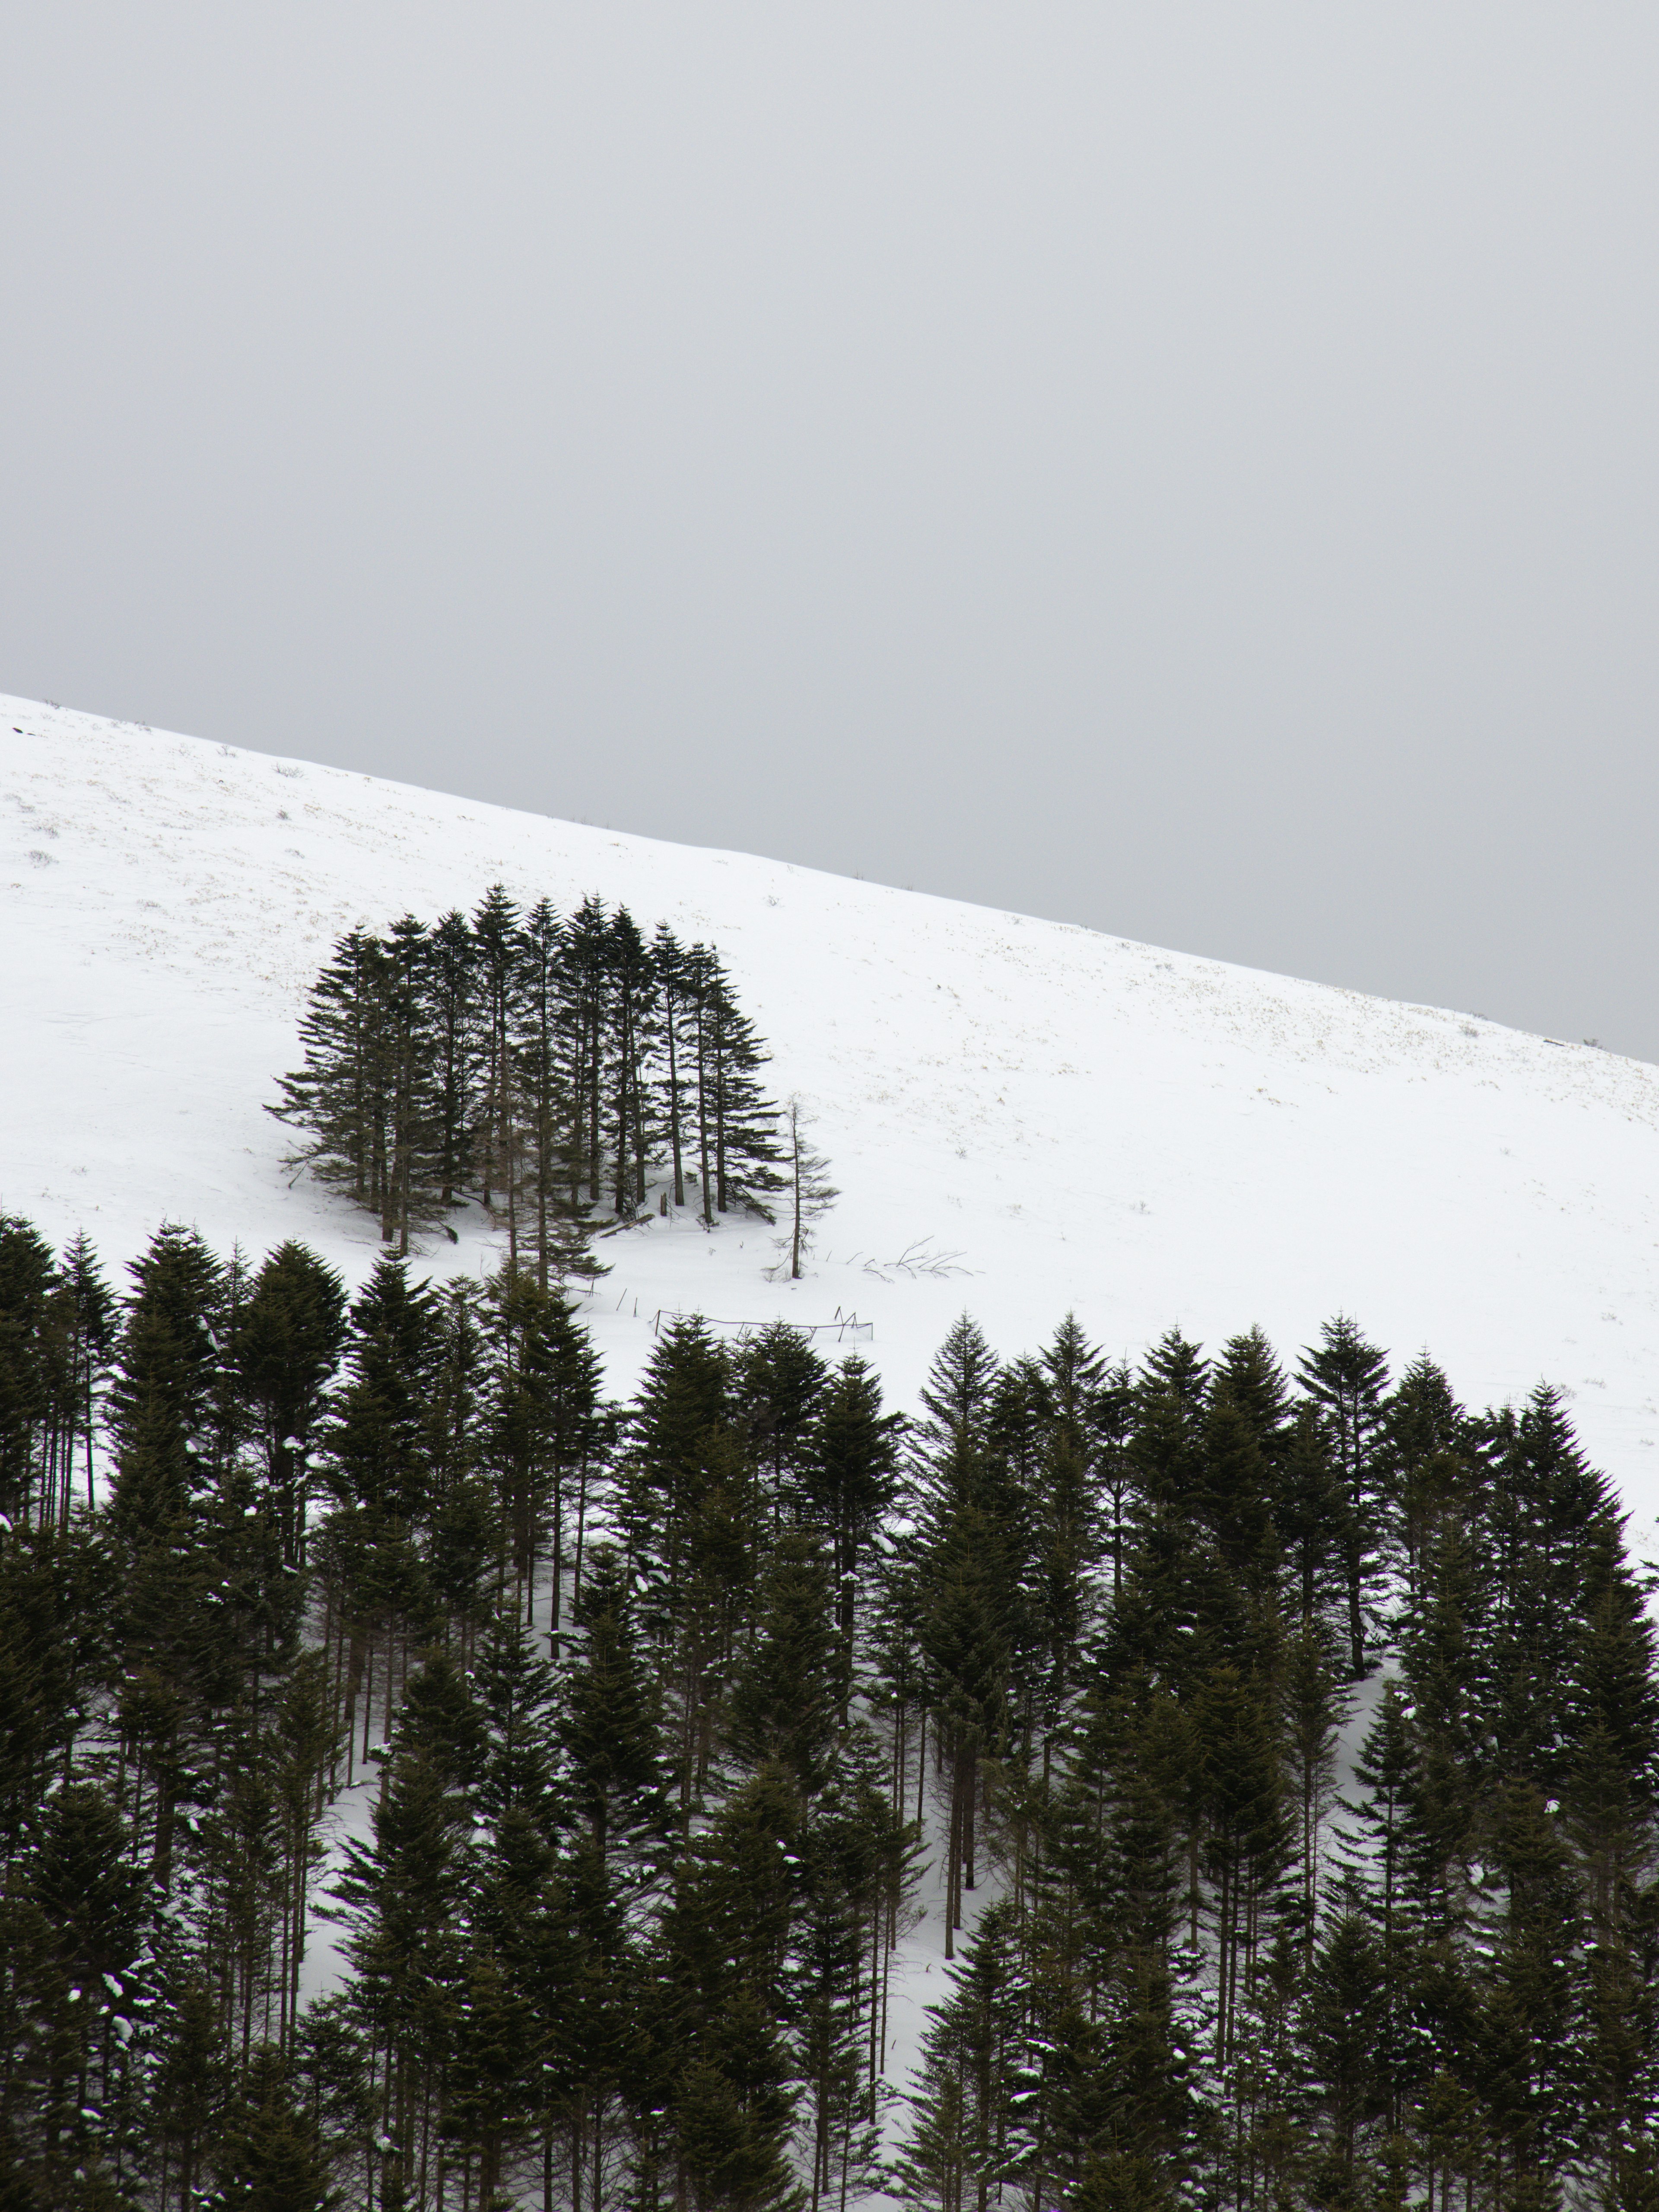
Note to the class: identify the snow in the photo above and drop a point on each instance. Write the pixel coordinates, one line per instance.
(1085, 1123)
(1022, 1117)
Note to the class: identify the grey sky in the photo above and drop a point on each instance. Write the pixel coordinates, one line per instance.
(1189, 470)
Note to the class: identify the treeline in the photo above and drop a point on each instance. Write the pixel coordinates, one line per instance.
(546, 1065)
(1226, 1964)
(423, 1783)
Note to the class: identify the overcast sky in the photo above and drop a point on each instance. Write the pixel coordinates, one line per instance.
(1188, 470)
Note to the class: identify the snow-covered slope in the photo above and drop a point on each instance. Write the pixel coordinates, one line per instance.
(1145, 1137)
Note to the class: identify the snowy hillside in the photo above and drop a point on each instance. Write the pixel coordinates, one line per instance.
(1143, 1136)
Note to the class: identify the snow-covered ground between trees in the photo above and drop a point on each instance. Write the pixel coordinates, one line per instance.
(1022, 1117)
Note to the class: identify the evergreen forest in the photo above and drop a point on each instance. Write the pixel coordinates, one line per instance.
(425, 1783)
(552, 1069)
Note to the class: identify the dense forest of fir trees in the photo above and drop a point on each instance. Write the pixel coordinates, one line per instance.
(423, 1783)
(549, 1068)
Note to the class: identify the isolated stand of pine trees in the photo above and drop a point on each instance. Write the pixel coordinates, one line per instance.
(425, 1784)
(553, 1069)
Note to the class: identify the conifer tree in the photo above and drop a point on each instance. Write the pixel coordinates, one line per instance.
(336, 1098)
(498, 967)
(779, 1383)
(27, 1280)
(451, 1001)
(1168, 1443)
(271, 2160)
(1344, 1378)
(633, 996)
(782, 1706)
(586, 986)
(1314, 1708)
(81, 1338)
(1341, 2028)
(678, 1033)
(962, 2130)
(946, 1460)
(608, 1727)
(848, 1476)
(808, 1192)
(552, 1228)
(742, 1146)
(1424, 1426)
(964, 1639)
(163, 1401)
(546, 1421)
(623, 1923)
(1063, 1539)
(286, 1346)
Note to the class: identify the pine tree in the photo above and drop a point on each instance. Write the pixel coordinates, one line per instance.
(586, 1028)
(1423, 1426)
(82, 1329)
(779, 1383)
(684, 1400)
(782, 1706)
(451, 1006)
(378, 1446)
(546, 1423)
(609, 1727)
(962, 2129)
(741, 1146)
(1246, 1843)
(676, 999)
(847, 1474)
(163, 1401)
(516, 1702)
(1342, 2026)
(1613, 1789)
(1308, 1519)
(808, 1192)
(1235, 1482)
(399, 1893)
(410, 1151)
(271, 2160)
(1344, 1378)
(728, 1933)
(633, 998)
(1314, 1709)
(27, 1280)
(1531, 2002)
(946, 1460)
(498, 968)
(1378, 1848)
(1168, 1440)
(336, 1098)
(1064, 1539)
(92, 1906)
(552, 1227)
(286, 1346)
(56, 1596)
(964, 1639)
(369, 1097)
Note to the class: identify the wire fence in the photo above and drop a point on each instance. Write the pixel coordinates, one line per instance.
(845, 1327)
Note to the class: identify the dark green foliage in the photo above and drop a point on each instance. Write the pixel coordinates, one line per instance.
(271, 2160)
(165, 1402)
(540, 1066)
(615, 1742)
(609, 1729)
(783, 1705)
(288, 1341)
(1344, 1378)
(27, 1277)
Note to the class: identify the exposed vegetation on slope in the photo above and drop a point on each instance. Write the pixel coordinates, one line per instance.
(677, 1714)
